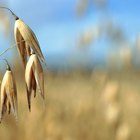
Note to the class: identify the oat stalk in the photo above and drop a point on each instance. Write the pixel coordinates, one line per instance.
(11, 47)
(8, 67)
(10, 11)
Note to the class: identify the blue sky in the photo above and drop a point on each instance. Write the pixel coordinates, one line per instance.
(57, 27)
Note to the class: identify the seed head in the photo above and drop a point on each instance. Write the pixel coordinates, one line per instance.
(26, 36)
(8, 94)
(34, 78)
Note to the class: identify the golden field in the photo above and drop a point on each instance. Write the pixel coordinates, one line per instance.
(94, 105)
(80, 104)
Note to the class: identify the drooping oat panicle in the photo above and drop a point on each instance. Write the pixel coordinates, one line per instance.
(8, 94)
(23, 32)
(34, 78)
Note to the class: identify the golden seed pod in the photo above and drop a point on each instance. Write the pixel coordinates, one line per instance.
(34, 78)
(25, 37)
(8, 94)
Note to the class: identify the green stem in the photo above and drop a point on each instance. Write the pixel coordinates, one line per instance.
(13, 46)
(6, 50)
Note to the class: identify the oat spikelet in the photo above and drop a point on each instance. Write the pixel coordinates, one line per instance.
(23, 32)
(25, 39)
(21, 46)
(8, 94)
(34, 78)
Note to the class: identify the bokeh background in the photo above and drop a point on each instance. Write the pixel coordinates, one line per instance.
(92, 84)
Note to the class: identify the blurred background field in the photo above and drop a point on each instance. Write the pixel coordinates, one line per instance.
(92, 84)
(99, 105)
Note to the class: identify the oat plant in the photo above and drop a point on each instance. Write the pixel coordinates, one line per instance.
(29, 49)
(8, 93)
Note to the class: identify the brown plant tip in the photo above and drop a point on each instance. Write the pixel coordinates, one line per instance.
(8, 95)
(23, 32)
(34, 78)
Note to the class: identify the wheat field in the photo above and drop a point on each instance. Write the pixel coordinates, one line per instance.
(96, 105)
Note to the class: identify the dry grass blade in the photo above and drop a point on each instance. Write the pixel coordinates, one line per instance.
(34, 78)
(8, 94)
